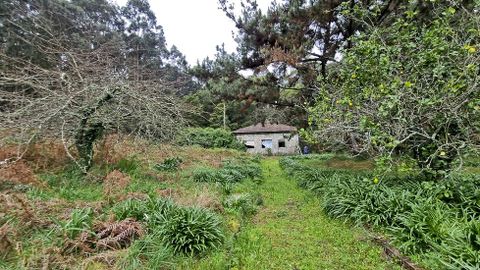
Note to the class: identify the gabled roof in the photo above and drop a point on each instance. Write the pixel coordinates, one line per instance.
(267, 128)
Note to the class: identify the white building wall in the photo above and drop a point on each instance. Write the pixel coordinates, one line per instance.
(291, 143)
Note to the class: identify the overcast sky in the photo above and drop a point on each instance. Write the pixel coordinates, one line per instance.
(195, 26)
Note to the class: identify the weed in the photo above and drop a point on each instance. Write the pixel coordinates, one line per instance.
(245, 204)
(169, 164)
(127, 165)
(206, 174)
(80, 220)
(149, 252)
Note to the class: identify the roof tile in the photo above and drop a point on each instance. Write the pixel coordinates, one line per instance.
(267, 128)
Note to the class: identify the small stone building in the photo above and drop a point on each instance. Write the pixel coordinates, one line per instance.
(274, 138)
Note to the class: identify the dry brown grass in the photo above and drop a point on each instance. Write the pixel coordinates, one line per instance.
(350, 164)
(19, 173)
(205, 198)
(115, 147)
(115, 183)
(50, 258)
(17, 205)
(105, 260)
(40, 156)
(37, 213)
(8, 235)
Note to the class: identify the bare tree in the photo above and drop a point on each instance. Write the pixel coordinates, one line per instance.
(77, 93)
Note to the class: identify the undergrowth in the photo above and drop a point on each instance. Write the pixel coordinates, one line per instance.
(124, 214)
(435, 222)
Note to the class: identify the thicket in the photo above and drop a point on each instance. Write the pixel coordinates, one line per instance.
(209, 138)
(436, 222)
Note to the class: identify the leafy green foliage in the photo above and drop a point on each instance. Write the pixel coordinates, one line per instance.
(206, 174)
(435, 220)
(80, 220)
(232, 171)
(142, 210)
(421, 75)
(183, 229)
(244, 203)
(127, 165)
(169, 164)
(190, 230)
(209, 138)
(150, 252)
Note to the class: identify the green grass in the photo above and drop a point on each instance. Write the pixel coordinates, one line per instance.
(291, 232)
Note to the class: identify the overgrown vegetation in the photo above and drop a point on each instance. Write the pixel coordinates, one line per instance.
(124, 214)
(230, 172)
(209, 138)
(435, 222)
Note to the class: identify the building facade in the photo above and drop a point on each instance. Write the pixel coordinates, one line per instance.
(273, 139)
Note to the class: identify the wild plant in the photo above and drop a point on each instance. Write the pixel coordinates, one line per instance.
(169, 164)
(190, 230)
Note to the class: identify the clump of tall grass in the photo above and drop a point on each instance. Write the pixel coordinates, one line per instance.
(187, 230)
(245, 204)
(232, 171)
(190, 230)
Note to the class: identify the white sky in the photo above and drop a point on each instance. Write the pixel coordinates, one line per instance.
(196, 26)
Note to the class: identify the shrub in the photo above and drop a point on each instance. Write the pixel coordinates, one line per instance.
(142, 210)
(247, 169)
(190, 230)
(130, 208)
(183, 229)
(209, 138)
(462, 250)
(231, 172)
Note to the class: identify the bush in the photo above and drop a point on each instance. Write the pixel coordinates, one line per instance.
(190, 230)
(130, 208)
(209, 138)
(424, 228)
(246, 169)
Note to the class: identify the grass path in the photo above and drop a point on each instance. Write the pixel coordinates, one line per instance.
(290, 232)
(299, 236)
